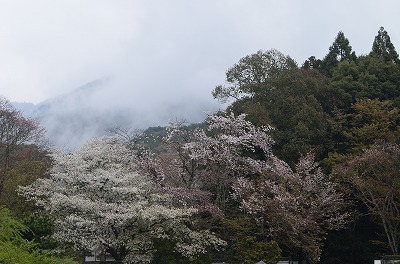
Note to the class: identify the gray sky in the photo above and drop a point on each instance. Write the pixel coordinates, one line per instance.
(167, 48)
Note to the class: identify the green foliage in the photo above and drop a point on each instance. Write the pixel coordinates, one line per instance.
(20, 174)
(41, 228)
(248, 76)
(10, 229)
(250, 251)
(312, 63)
(367, 78)
(165, 253)
(373, 120)
(27, 254)
(383, 48)
(293, 104)
(246, 243)
(14, 249)
(332, 160)
(366, 122)
(340, 51)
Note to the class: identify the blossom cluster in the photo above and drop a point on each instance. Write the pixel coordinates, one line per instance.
(101, 202)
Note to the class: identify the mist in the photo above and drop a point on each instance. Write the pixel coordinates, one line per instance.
(96, 107)
(156, 60)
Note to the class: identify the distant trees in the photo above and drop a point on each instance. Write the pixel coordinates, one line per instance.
(15, 129)
(102, 204)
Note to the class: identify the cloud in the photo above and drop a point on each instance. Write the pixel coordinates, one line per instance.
(166, 51)
(163, 58)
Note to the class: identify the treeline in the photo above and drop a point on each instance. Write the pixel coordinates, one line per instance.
(303, 163)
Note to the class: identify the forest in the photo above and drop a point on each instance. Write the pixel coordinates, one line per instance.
(303, 164)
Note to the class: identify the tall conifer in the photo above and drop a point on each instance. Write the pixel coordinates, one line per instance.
(383, 48)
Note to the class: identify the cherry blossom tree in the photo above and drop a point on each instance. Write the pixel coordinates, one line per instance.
(15, 129)
(102, 203)
(168, 169)
(212, 158)
(232, 156)
(297, 206)
(374, 176)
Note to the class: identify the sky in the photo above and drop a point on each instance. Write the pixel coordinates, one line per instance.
(169, 49)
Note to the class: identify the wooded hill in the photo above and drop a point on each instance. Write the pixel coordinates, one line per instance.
(303, 163)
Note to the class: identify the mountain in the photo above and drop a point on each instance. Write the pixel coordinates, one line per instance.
(92, 109)
(26, 108)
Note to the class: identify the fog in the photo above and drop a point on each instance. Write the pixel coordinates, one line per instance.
(158, 60)
(96, 107)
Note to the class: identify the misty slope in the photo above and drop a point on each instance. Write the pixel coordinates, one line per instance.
(92, 109)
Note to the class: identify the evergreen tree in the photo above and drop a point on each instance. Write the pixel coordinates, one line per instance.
(383, 48)
(312, 63)
(338, 52)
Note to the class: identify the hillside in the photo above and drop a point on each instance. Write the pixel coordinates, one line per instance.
(90, 110)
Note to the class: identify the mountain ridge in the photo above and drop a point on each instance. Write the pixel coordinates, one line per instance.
(73, 118)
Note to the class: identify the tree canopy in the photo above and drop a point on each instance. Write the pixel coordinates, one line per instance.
(103, 204)
(339, 51)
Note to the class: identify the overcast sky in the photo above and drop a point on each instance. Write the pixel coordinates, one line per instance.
(162, 48)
